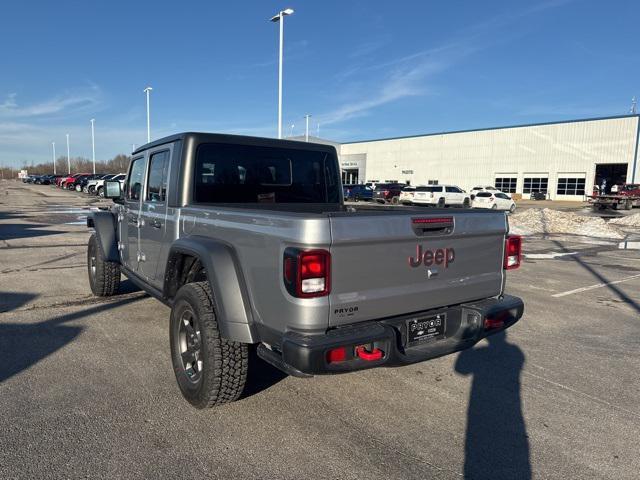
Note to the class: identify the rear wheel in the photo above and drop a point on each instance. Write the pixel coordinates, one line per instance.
(395, 200)
(104, 276)
(441, 203)
(210, 370)
(494, 207)
(100, 191)
(513, 208)
(466, 203)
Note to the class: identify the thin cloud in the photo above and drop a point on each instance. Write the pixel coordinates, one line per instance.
(407, 75)
(77, 101)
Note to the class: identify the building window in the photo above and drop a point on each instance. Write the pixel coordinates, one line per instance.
(506, 184)
(535, 184)
(570, 186)
(432, 182)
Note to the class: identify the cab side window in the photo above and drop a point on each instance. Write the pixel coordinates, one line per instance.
(134, 183)
(157, 182)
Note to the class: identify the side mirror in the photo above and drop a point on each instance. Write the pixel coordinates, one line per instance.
(112, 189)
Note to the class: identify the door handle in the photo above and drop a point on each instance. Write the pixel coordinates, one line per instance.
(156, 224)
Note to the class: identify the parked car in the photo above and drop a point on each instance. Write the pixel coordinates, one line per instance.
(388, 192)
(494, 201)
(406, 195)
(99, 187)
(483, 188)
(441, 196)
(90, 187)
(357, 192)
(250, 245)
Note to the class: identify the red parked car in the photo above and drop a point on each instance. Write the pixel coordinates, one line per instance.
(70, 181)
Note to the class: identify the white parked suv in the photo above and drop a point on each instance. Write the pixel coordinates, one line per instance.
(494, 201)
(441, 196)
(98, 187)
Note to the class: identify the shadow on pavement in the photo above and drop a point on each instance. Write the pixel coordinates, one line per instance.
(616, 291)
(12, 300)
(22, 345)
(13, 231)
(497, 445)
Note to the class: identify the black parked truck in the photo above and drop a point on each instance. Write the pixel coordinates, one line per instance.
(248, 241)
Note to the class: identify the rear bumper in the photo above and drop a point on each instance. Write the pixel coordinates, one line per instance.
(465, 325)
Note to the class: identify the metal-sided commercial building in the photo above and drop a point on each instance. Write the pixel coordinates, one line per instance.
(564, 159)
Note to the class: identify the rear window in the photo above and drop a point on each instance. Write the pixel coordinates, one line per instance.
(409, 189)
(429, 189)
(258, 174)
(483, 194)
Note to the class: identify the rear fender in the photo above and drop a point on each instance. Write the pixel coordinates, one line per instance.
(222, 268)
(104, 223)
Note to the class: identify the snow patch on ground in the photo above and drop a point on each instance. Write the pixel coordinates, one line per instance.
(548, 221)
(628, 221)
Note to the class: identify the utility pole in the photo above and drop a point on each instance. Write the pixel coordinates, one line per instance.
(280, 18)
(306, 135)
(68, 155)
(93, 144)
(53, 145)
(291, 132)
(147, 91)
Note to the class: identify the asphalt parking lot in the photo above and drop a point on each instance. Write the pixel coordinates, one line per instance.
(87, 389)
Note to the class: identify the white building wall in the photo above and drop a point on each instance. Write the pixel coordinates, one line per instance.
(477, 157)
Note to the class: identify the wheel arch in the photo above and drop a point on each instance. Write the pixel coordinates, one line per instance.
(225, 277)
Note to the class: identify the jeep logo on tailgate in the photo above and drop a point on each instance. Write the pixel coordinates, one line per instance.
(426, 257)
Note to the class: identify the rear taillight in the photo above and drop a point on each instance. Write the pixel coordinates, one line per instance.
(385, 193)
(307, 273)
(512, 252)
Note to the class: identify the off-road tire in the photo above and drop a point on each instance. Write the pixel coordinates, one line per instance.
(104, 276)
(224, 362)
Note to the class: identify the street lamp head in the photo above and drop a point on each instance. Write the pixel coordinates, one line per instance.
(283, 13)
(148, 89)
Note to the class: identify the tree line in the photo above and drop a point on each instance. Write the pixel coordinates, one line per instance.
(117, 164)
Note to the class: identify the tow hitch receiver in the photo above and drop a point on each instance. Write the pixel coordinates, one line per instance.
(369, 356)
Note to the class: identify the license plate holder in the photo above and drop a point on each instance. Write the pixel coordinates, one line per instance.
(424, 329)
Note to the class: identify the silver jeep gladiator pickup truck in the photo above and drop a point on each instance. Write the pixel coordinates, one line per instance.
(249, 243)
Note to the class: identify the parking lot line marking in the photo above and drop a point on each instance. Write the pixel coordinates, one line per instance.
(550, 256)
(591, 287)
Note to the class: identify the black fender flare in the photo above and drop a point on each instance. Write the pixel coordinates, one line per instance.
(231, 298)
(104, 223)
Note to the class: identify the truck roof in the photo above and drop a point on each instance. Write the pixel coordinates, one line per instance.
(205, 137)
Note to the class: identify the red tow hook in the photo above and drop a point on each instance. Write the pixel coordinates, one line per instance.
(375, 354)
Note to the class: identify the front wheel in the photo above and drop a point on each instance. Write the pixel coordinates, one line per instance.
(104, 276)
(513, 208)
(78, 188)
(466, 203)
(210, 370)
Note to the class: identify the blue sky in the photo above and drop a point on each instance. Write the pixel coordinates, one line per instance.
(363, 69)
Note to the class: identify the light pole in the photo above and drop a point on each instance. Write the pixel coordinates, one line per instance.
(68, 155)
(291, 132)
(147, 91)
(306, 135)
(93, 144)
(280, 18)
(53, 145)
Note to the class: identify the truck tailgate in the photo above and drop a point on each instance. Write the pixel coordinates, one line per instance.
(411, 261)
